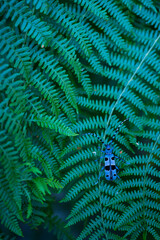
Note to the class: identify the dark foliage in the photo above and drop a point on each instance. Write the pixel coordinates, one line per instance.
(66, 68)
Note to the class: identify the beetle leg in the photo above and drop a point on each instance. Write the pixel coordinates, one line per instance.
(101, 150)
(117, 168)
(120, 158)
(96, 160)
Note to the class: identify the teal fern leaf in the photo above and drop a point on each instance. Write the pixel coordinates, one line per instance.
(68, 68)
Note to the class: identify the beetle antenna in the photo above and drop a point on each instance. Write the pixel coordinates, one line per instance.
(95, 135)
(117, 130)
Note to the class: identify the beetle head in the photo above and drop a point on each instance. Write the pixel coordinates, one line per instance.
(108, 149)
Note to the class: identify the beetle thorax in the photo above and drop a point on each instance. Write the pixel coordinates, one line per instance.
(108, 149)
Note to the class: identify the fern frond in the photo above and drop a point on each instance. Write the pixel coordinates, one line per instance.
(117, 13)
(12, 48)
(150, 16)
(69, 68)
(46, 89)
(23, 17)
(57, 74)
(93, 7)
(58, 12)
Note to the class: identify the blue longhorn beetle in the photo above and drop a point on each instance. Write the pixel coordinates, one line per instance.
(110, 166)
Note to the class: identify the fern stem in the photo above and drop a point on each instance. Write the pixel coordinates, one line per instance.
(105, 133)
(101, 209)
(144, 188)
(130, 80)
(145, 235)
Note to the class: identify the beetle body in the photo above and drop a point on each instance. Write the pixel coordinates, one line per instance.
(110, 165)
